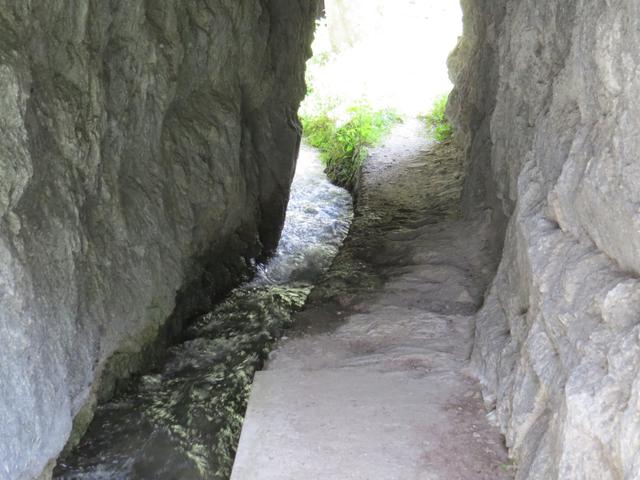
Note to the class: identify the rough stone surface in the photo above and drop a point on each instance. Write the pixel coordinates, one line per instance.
(546, 103)
(372, 382)
(146, 151)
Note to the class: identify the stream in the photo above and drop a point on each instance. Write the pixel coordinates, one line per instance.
(184, 422)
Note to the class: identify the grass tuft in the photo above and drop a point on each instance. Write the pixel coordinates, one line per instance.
(344, 145)
(437, 120)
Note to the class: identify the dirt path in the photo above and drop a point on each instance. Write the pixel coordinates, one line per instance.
(372, 383)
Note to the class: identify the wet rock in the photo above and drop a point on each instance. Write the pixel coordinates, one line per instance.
(146, 151)
(546, 102)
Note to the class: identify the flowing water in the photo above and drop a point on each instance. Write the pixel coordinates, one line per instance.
(184, 422)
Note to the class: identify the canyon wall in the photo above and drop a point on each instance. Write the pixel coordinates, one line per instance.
(546, 103)
(146, 152)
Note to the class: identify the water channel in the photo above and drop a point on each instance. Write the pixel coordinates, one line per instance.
(183, 422)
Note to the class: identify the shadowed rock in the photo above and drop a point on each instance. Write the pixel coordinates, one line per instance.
(146, 152)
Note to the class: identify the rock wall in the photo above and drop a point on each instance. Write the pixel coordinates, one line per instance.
(546, 103)
(146, 152)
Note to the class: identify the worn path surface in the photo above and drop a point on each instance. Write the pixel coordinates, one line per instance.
(372, 383)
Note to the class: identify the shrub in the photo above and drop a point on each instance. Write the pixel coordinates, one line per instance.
(344, 147)
(437, 120)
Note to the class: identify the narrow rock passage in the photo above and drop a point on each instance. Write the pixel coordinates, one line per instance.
(372, 382)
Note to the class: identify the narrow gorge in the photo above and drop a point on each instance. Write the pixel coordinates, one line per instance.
(488, 291)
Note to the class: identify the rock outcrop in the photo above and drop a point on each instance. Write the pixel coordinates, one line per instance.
(146, 152)
(546, 103)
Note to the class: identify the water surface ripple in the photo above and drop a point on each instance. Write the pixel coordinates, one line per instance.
(184, 422)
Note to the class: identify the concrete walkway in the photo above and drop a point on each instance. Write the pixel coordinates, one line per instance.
(373, 382)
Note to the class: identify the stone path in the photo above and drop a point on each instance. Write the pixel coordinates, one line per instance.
(373, 382)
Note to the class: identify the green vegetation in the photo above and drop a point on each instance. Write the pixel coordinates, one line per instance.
(437, 120)
(344, 145)
(338, 117)
(509, 467)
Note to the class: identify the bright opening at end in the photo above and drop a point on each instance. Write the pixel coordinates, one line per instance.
(390, 54)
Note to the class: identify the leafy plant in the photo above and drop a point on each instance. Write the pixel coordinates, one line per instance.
(343, 135)
(344, 147)
(437, 120)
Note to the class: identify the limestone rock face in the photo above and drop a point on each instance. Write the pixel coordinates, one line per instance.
(146, 152)
(546, 102)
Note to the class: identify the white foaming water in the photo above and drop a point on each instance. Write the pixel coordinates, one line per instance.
(318, 219)
(182, 420)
